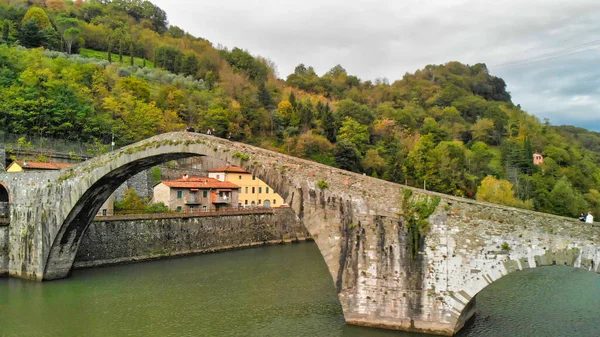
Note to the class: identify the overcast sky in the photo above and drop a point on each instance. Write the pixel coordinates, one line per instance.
(547, 51)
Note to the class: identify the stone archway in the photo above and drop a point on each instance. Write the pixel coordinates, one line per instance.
(4, 201)
(86, 186)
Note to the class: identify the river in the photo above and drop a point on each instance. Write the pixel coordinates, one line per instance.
(271, 291)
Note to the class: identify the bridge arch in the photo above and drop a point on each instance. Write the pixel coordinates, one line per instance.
(4, 193)
(90, 184)
(469, 306)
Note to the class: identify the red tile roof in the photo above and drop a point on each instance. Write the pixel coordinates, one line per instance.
(199, 183)
(36, 165)
(229, 169)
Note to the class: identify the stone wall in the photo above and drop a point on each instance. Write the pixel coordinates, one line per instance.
(3, 250)
(120, 241)
(141, 183)
(2, 157)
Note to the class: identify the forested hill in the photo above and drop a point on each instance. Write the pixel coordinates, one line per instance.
(451, 128)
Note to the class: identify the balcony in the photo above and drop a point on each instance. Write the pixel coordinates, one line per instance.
(193, 201)
(221, 199)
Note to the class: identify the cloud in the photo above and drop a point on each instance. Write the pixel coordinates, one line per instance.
(374, 39)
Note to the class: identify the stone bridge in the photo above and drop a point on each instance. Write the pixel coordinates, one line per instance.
(354, 220)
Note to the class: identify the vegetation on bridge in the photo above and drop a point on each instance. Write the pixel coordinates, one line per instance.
(446, 127)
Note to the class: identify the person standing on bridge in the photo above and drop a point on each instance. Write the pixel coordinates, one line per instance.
(589, 218)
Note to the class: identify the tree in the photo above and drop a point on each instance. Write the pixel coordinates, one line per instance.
(483, 130)
(70, 35)
(564, 200)
(38, 16)
(5, 30)
(131, 202)
(499, 192)
(31, 36)
(346, 156)
(58, 5)
(373, 163)
(354, 133)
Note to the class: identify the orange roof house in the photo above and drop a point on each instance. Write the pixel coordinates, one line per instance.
(195, 194)
(25, 165)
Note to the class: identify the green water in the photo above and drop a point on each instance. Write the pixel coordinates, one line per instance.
(272, 291)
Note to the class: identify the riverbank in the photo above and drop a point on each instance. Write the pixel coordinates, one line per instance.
(112, 241)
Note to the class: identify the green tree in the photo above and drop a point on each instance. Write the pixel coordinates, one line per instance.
(346, 156)
(564, 200)
(70, 35)
(483, 130)
(131, 202)
(31, 36)
(354, 133)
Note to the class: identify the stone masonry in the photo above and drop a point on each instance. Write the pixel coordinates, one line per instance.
(354, 220)
(113, 240)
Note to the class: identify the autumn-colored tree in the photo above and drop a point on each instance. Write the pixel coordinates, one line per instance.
(500, 191)
(38, 16)
(58, 5)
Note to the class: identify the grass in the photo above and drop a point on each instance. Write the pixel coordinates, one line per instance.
(102, 55)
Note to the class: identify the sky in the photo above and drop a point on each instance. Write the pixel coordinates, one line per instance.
(547, 51)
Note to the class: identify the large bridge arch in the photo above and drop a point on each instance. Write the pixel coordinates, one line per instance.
(354, 221)
(92, 182)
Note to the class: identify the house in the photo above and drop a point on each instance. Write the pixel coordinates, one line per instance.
(194, 194)
(16, 166)
(538, 158)
(253, 191)
(24, 166)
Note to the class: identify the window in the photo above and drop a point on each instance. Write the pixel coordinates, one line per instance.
(204, 209)
(245, 202)
(204, 194)
(104, 212)
(260, 191)
(246, 189)
(218, 176)
(267, 190)
(259, 201)
(274, 202)
(253, 190)
(179, 194)
(253, 177)
(240, 177)
(178, 208)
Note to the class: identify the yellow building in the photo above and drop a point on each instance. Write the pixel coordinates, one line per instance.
(253, 191)
(22, 166)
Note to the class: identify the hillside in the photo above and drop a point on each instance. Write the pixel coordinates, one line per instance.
(446, 127)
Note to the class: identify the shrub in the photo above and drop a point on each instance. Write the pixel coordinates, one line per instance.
(322, 184)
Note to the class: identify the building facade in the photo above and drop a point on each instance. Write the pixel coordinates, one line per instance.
(253, 191)
(196, 194)
(538, 159)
